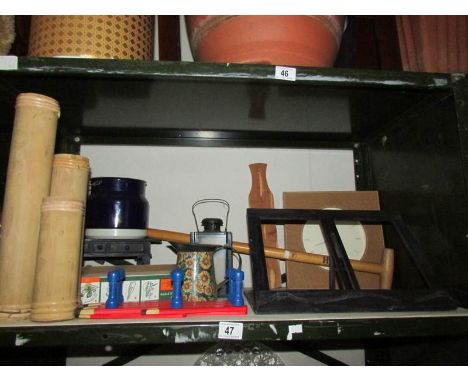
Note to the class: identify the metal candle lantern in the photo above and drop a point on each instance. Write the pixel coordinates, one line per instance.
(212, 235)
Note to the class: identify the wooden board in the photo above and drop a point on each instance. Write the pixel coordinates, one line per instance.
(306, 276)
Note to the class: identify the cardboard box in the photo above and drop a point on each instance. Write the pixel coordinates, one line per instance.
(308, 276)
(142, 283)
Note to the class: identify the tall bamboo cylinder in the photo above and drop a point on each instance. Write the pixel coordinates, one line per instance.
(27, 184)
(70, 175)
(55, 296)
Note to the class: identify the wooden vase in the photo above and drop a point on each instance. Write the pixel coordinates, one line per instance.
(58, 267)
(260, 196)
(27, 184)
(274, 40)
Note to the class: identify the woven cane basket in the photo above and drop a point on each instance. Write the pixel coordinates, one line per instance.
(121, 37)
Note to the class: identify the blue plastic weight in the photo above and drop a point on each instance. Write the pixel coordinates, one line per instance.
(177, 277)
(115, 279)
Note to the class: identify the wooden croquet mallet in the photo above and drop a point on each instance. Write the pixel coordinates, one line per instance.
(384, 269)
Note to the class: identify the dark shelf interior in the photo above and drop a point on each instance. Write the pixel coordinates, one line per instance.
(404, 128)
(212, 104)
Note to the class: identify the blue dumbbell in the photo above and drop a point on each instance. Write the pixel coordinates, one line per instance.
(177, 277)
(115, 279)
(230, 287)
(236, 280)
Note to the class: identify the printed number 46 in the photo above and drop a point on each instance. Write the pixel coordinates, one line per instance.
(229, 329)
(284, 73)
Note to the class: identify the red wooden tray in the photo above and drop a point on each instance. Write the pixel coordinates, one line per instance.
(162, 309)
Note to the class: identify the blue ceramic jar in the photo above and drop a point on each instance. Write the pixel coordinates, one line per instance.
(116, 208)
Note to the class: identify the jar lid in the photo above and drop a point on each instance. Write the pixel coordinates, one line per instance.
(114, 184)
(212, 224)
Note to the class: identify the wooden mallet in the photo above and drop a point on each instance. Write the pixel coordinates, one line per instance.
(384, 269)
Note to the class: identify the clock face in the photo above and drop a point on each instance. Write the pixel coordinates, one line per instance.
(352, 235)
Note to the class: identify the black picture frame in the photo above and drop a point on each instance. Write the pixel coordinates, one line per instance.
(349, 298)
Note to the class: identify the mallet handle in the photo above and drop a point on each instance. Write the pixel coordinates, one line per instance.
(385, 269)
(388, 265)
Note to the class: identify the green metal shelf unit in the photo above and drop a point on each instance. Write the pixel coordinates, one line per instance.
(408, 131)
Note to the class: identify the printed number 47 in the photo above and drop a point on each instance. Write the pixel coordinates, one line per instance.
(229, 329)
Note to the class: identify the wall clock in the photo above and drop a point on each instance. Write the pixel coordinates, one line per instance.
(362, 242)
(352, 235)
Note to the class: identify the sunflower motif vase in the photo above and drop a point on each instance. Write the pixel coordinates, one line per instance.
(199, 274)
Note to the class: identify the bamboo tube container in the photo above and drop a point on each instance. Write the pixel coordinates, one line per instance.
(55, 295)
(70, 175)
(27, 183)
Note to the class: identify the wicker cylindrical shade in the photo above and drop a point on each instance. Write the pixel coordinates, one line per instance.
(118, 37)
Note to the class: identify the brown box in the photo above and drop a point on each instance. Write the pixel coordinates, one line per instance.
(369, 238)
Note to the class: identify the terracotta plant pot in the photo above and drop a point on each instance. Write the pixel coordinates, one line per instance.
(275, 40)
